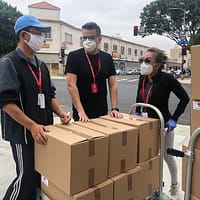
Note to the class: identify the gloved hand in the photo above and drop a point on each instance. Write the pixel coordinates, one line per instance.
(136, 113)
(171, 124)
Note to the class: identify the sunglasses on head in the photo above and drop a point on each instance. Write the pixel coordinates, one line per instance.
(147, 60)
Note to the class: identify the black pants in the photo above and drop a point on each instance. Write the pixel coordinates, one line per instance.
(27, 180)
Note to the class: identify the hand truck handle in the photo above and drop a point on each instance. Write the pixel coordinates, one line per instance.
(174, 152)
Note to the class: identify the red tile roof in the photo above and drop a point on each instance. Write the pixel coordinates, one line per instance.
(44, 5)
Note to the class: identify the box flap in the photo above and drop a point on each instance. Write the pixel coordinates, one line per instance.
(65, 136)
(81, 131)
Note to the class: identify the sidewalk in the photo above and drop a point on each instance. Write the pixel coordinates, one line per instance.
(184, 81)
(7, 166)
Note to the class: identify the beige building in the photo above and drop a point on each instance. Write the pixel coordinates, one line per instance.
(63, 35)
(176, 56)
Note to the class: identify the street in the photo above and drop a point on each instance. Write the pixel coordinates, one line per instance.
(127, 88)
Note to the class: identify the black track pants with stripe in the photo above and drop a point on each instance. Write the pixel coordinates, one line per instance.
(24, 185)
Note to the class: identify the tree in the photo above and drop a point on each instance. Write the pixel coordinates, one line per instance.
(8, 16)
(195, 39)
(167, 18)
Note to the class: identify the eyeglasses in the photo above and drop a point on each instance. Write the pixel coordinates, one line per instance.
(147, 60)
(88, 37)
(36, 32)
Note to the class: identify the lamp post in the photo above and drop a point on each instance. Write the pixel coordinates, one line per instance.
(183, 36)
(184, 14)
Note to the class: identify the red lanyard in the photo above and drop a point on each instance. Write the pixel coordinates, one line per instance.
(39, 79)
(148, 93)
(91, 68)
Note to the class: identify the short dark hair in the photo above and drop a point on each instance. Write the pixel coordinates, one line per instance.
(92, 25)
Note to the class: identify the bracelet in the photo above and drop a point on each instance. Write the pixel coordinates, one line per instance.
(117, 109)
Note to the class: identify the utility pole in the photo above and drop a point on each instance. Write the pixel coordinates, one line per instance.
(183, 41)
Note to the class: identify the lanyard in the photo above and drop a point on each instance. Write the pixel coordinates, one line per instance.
(91, 68)
(148, 93)
(39, 79)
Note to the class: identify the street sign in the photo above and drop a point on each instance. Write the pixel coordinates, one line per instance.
(183, 42)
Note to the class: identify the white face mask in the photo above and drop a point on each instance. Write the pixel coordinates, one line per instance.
(146, 69)
(89, 45)
(36, 42)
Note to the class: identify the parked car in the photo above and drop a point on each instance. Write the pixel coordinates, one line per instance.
(120, 72)
(187, 73)
(133, 72)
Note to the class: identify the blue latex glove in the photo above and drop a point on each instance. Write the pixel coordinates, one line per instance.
(171, 124)
(136, 113)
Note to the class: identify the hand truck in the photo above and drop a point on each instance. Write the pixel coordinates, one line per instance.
(189, 154)
(158, 194)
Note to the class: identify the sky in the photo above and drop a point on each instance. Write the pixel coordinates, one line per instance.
(116, 18)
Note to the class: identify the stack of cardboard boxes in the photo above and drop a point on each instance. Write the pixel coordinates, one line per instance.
(195, 123)
(104, 159)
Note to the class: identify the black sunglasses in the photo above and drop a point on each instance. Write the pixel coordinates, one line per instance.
(147, 60)
(88, 37)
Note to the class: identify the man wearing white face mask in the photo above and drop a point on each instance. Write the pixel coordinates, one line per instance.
(27, 99)
(154, 88)
(87, 71)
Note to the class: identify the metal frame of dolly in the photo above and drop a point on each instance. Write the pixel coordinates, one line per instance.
(189, 154)
(162, 132)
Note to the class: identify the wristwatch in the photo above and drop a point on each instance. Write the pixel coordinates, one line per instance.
(117, 109)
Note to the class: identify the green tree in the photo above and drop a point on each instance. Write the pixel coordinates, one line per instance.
(8, 16)
(195, 39)
(167, 17)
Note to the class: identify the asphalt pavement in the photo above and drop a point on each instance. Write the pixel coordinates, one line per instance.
(7, 165)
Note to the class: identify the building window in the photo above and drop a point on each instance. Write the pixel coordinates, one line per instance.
(47, 34)
(114, 48)
(129, 51)
(135, 52)
(141, 53)
(68, 38)
(122, 50)
(106, 46)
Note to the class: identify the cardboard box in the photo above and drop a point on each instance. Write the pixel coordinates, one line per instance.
(122, 144)
(195, 71)
(151, 178)
(195, 122)
(129, 185)
(72, 162)
(195, 182)
(101, 191)
(148, 137)
(195, 115)
(194, 198)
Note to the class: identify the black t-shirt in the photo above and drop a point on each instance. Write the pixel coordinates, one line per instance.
(95, 105)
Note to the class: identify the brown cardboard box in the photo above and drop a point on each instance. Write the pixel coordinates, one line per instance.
(122, 144)
(151, 178)
(194, 198)
(149, 134)
(72, 162)
(195, 71)
(195, 122)
(195, 114)
(195, 173)
(103, 191)
(129, 185)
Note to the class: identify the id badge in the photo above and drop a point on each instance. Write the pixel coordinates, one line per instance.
(41, 100)
(144, 114)
(94, 88)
